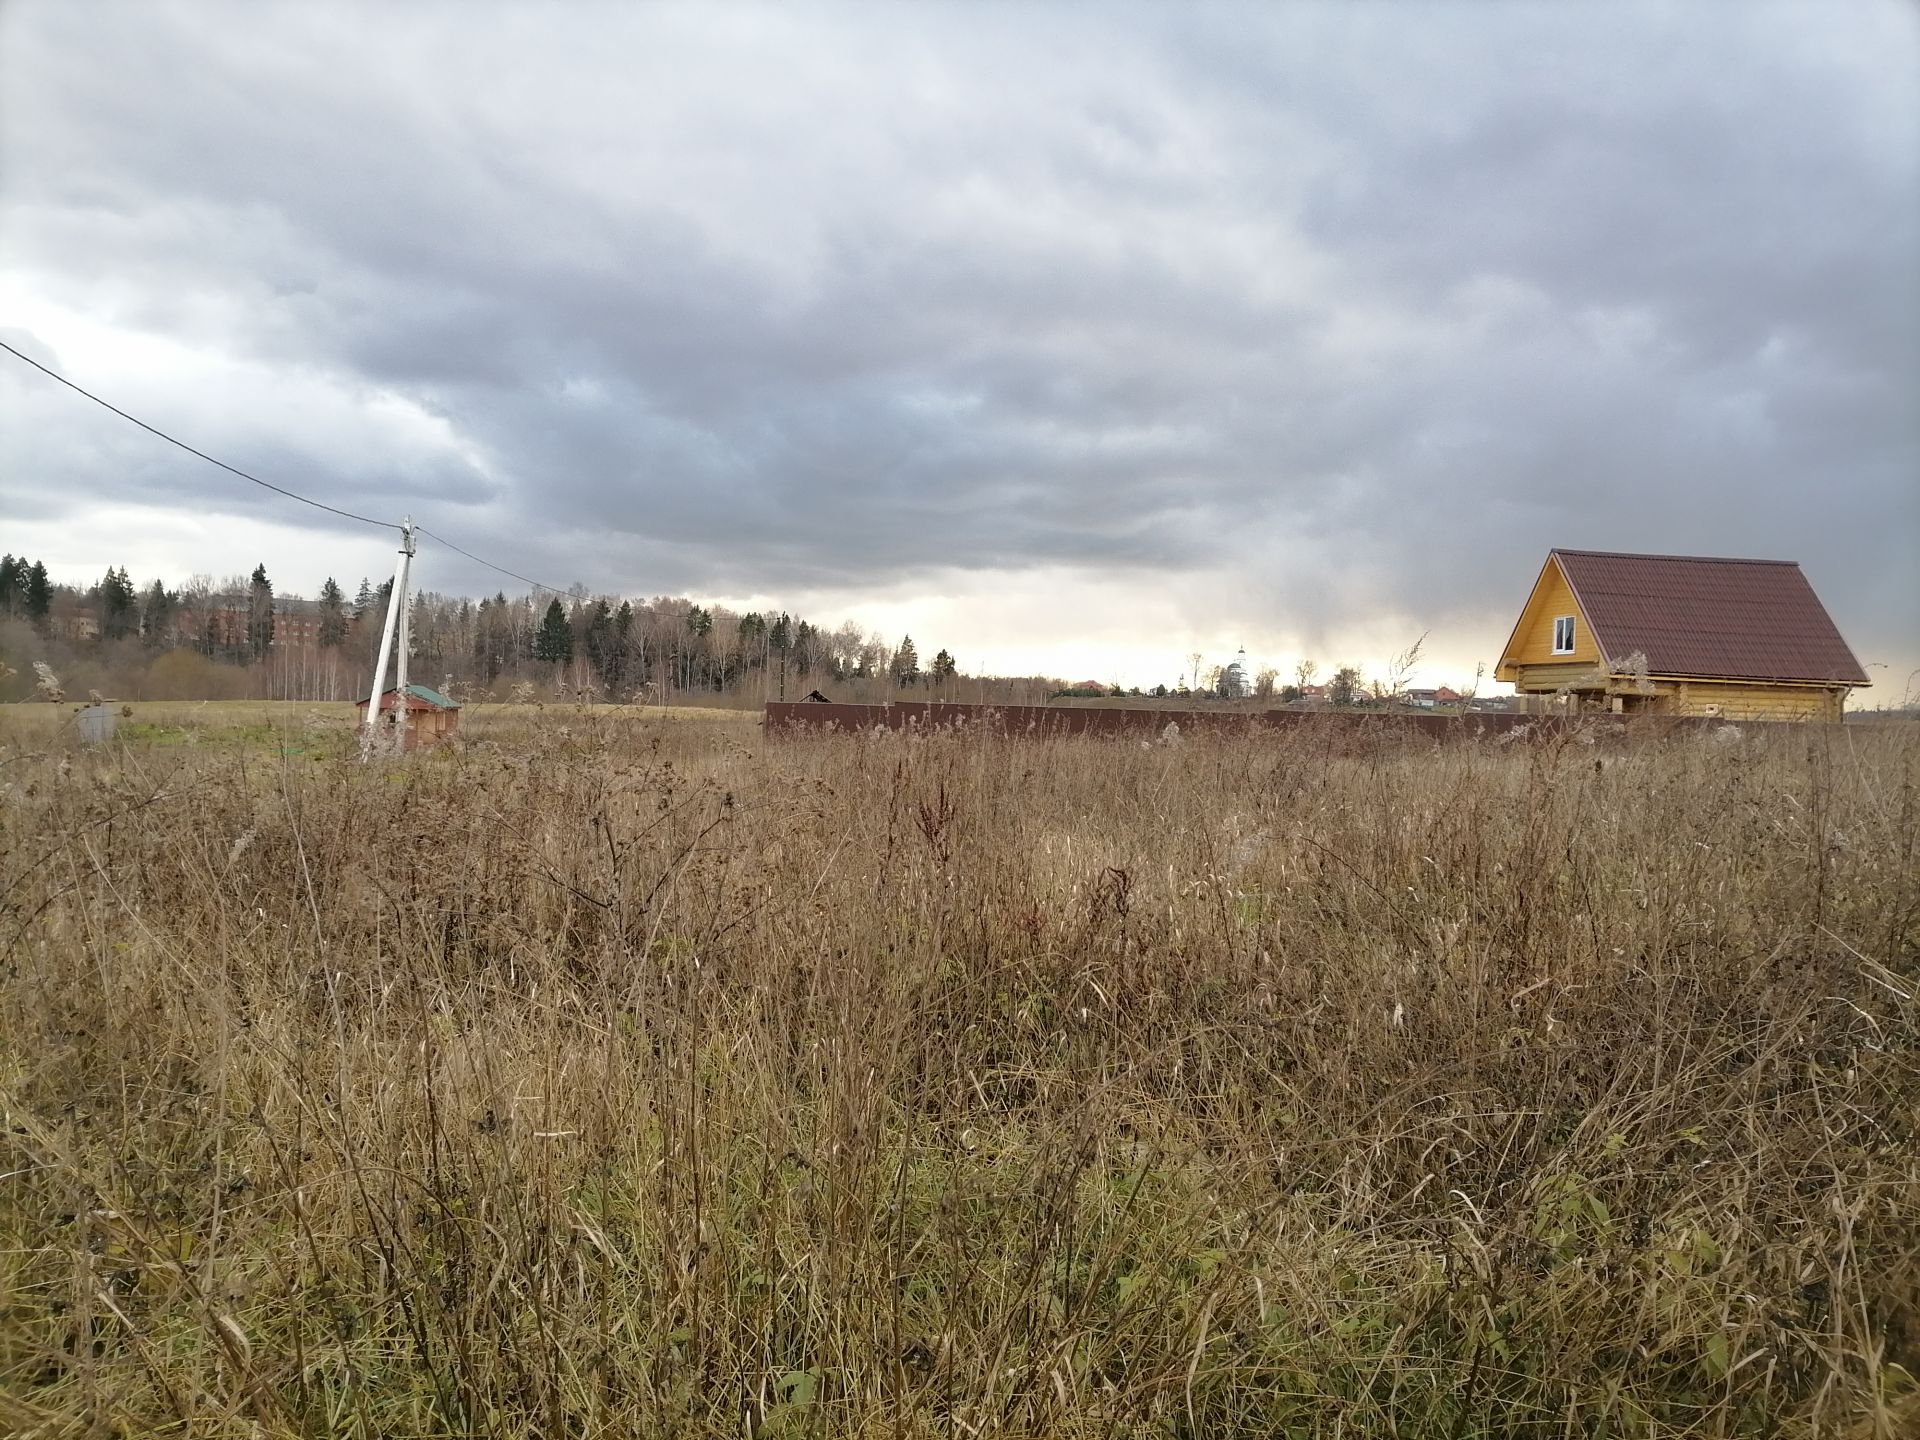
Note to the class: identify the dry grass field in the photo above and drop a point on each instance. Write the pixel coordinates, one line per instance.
(616, 1076)
(317, 728)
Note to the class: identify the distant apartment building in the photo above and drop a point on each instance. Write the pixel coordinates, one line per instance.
(223, 626)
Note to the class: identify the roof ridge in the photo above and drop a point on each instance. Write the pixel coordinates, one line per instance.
(1648, 555)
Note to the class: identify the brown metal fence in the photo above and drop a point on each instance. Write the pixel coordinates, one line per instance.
(1046, 721)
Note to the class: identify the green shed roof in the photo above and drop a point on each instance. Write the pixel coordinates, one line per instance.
(432, 697)
(424, 695)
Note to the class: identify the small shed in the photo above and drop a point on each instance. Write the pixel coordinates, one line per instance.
(431, 716)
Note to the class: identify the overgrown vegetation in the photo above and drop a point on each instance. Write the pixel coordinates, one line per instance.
(594, 1078)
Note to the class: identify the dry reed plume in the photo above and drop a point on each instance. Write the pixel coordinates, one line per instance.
(602, 1080)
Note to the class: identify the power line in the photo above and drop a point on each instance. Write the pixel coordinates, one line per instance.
(230, 469)
(268, 484)
(513, 574)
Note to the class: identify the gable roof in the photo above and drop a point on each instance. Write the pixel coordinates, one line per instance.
(432, 697)
(1696, 615)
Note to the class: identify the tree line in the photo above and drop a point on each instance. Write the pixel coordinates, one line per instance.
(238, 638)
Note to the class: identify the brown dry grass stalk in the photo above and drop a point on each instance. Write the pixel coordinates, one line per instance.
(596, 1079)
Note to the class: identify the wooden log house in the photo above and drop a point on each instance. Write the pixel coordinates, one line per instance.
(1678, 635)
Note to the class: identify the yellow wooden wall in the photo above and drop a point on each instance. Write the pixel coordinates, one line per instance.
(1533, 637)
(1557, 675)
(1754, 702)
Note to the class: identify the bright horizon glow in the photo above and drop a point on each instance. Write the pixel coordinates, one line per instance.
(978, 620)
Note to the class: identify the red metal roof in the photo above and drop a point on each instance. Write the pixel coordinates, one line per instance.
(1700, 616)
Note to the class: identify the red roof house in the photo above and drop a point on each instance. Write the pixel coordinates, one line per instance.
(1679, 634)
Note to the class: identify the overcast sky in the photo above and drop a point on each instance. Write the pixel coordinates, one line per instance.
(1069, 337)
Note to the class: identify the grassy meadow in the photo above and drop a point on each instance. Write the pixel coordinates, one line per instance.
(310, 726)
(621, 1074)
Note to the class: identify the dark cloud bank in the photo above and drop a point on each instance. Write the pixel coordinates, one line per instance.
(726, 300)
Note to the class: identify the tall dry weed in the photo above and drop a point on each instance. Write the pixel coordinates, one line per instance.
(604, 1080)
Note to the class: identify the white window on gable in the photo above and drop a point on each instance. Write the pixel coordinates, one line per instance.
(1563, 635)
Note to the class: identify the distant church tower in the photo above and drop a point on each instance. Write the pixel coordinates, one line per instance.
(1239, 680)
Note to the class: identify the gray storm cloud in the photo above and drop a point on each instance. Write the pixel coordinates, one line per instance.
(730, 299)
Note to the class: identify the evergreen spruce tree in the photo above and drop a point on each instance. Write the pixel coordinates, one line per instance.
(554, 641)
(259, 613)
(11, 583)
(39, 595)
(333, 616)
(780, 642)
(362, 598)
(906, 662)
(599, 640)
(119, 606)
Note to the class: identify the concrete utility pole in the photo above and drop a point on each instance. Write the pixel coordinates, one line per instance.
(406, 630)
(397, 609)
